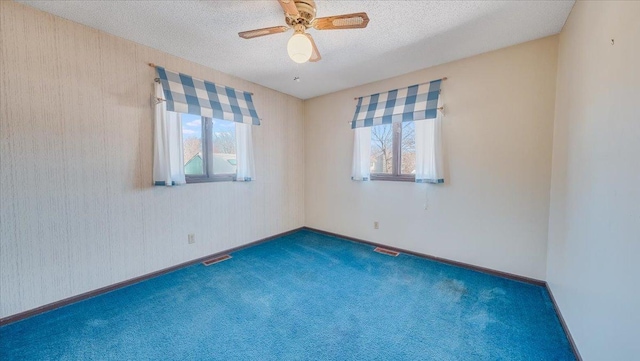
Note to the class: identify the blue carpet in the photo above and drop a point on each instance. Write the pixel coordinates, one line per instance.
(305, 296)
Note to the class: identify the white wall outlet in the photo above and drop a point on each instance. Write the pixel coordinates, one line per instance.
(192, 238)
(376, 225)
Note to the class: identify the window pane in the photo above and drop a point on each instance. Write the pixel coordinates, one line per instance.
(382, 149)
(408, 148)
(224, 147)
(192, 144)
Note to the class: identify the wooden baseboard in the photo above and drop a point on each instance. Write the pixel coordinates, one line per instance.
(437, 259)
(83, 296)
(99, 291)
(564, 324)
(471, 267)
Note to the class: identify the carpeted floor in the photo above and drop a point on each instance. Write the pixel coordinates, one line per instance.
(305, 296)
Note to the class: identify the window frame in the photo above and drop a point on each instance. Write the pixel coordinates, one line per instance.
(207, 154)
(396, 160)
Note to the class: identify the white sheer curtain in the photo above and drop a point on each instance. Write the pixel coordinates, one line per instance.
(429, 150)
(168, 162)
(361, 170)
(245, 168)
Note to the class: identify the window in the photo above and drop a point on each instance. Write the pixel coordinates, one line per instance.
(393, 152)
(209, 147)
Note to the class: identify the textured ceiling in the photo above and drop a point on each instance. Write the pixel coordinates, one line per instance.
(402, 36)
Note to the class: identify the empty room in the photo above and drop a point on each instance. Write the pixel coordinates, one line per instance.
(319, 180)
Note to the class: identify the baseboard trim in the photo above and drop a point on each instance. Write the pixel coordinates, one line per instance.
(83, 296)
(576, 353)
(490, 271)
(54, 305)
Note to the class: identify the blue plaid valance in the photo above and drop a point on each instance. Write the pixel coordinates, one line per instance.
(185, 94)
(416, 102)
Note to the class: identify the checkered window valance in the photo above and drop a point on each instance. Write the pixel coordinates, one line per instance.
(416, 102)
(185, 94)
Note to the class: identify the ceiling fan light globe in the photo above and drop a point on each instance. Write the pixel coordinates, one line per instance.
(299, 48)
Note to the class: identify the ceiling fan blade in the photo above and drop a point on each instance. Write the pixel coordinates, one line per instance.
(346, 21)
(262, 32)
(289, 7)
(315, 55)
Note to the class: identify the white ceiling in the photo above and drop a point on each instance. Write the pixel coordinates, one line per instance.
(402, 36)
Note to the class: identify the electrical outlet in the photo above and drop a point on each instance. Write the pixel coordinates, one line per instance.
(192, 238)
(376, 225)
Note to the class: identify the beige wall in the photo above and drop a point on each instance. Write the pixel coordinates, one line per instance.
(493, 209)
(78, 211)
(594, 224)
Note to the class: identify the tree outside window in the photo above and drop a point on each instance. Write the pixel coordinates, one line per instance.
(209, 147)
(393, 152)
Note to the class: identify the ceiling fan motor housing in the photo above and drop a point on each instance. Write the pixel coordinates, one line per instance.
(301, 15)
(307, 13)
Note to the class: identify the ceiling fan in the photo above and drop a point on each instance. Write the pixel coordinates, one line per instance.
(301, 15)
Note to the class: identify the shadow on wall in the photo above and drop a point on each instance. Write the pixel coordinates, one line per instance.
(461, 37)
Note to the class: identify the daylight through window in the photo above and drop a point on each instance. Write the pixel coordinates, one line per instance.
(209, 147)
(393, 151)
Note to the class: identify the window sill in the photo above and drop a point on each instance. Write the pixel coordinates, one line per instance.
(393, 178)
(218, 178)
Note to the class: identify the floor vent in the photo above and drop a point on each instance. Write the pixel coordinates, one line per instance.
(388, 252)
(209, 262)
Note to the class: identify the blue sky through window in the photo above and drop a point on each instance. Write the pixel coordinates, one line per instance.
(191, 126)
(223, 126)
